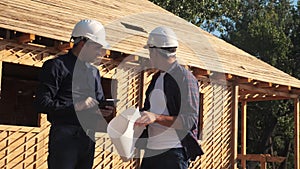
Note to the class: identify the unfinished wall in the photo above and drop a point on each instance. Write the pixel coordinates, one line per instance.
(216, 123)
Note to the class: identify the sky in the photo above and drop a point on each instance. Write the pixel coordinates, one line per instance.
(294, 2)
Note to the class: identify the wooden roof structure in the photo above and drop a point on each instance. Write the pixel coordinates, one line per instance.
(127, 24)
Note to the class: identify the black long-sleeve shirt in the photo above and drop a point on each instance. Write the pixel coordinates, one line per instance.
(64, 81)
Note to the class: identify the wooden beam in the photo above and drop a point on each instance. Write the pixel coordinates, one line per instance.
(141, 88)
(252, 157)
(0, 77)
(296, 134)
(24, 38)
(283, 88)
(243, 80)
(65, 46)
(200, 72)
(261, 158)
(275, 159)
(268, 91)
(7, 36)
(263, 165)
(244, 132)
(264, 84)
(107, 52)
(229, 76)
(266, 98)
(295, 90)
(234, 130)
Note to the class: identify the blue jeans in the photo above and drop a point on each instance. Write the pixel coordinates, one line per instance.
(70, 148)
(174, 158)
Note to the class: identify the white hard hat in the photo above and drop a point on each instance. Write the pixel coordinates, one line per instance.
(162, 37)
(92, 30)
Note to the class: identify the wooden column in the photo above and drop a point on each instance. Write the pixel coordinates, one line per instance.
(0, 76)
(263, 165)
(141, 88)
(244, 132)
(234, 122)
(297, 135)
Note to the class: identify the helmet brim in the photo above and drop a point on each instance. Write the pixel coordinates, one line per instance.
(104, 43)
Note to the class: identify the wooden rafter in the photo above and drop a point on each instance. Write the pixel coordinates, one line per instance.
(229, 76)
(268, 91)
(283, 88)
(234, 142)
(264, 84)
(265, 98)
(296, 134)
(261, 158)
(65, 46)
(200, 72)
(242, 80)
(295, 90)
(243, 132)
(24, 38)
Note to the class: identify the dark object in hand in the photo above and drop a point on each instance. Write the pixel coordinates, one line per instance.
(107, 102)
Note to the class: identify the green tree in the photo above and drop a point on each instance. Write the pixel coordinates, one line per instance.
(210, 15)
(264, 30)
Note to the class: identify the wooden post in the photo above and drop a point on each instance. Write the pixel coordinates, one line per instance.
(0, 76)
(244, 132)
(141, 89)
(234, 122)
(296, 134)
(263, 164)
(26, 37)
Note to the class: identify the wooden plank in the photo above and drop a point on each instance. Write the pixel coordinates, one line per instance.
(244, 132)
(0, 77)
(267, 91)
(141, 88)
(263, 165)
(261, 158)
(65, 46)
(234, 123)
(200, 72)
(243, 80)
(296, 134)
(264, 84)
(295, 90)
(24, 17)
(229, 76)
(283, 88)
(24, 38)
(19, 128)
(275, 159)
(266, 98)
(252, 157)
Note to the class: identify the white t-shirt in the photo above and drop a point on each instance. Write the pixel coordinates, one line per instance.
(160, 137)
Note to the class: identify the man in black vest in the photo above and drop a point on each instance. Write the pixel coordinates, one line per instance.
(171, 107)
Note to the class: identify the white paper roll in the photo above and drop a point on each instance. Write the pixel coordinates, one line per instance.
(123, 133)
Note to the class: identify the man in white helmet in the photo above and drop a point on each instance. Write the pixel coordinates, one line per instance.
(69, 93)
(171, 108)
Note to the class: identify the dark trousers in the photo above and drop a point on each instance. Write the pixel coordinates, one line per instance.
(174, 158)
(70, 148)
